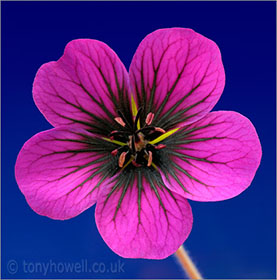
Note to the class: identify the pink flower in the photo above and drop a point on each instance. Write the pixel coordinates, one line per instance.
(139, 145)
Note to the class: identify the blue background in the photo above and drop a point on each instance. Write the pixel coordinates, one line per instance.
(230, 239)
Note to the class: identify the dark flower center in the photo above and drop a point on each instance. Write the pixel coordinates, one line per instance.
(138, 144)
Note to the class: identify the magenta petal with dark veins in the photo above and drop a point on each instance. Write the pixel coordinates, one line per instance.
(179, 74)
(83, 85)
(57, 172)
(141, 159)
(215, 158)
(141, 220)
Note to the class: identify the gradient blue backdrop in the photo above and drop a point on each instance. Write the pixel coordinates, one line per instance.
(230, 239)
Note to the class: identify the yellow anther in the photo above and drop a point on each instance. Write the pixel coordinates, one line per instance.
(164, 136)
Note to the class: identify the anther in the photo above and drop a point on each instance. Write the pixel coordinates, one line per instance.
(149, 118)
(160, 146)
(159, 129)
(123, 119)
(114, 152)
(150, 156)
(121, 159)
(114, 132)
(120, 121)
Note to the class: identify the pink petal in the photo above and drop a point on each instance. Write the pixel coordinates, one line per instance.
(179, 74)
(57, 172)
(138, 220)
(215, 158)
(88, 82)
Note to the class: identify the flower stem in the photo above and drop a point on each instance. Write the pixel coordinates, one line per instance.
(187, 264)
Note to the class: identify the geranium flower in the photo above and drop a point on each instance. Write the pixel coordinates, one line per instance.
(138, 144)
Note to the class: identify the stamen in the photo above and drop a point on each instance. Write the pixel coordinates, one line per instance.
(114, 152)
(150, 157)
(159, 129)
(124, 118)
(119, 132)
(120, 121)
(149, 118)
(121, 159)
(114, 131)
(160, 146)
